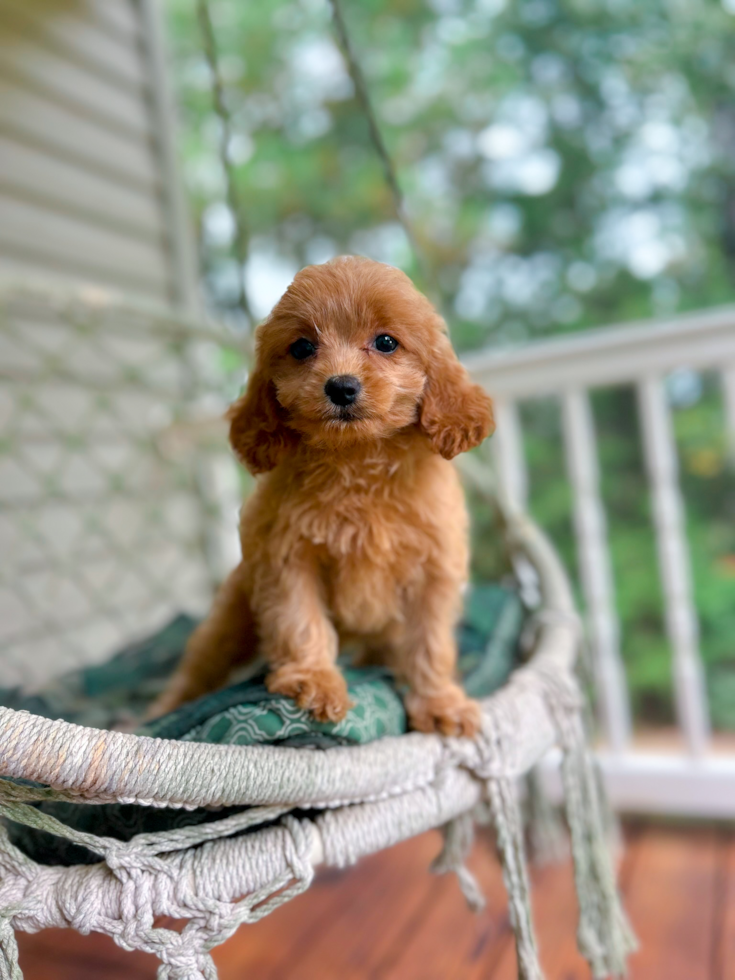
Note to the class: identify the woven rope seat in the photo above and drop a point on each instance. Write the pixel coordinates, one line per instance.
(95, 396)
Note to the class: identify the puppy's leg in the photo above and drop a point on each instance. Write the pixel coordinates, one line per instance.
(427, 660)
(300, 642)
(227, 636)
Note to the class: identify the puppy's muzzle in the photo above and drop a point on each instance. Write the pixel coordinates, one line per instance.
(342, 389)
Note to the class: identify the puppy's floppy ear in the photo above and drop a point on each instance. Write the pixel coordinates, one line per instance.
(455, 414)
(258, 433)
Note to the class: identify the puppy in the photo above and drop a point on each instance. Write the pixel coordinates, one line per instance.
(357, 529)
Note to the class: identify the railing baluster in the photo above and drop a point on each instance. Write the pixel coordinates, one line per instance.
(728, 394)
(507, 445)
(594, 566)
(673, 559)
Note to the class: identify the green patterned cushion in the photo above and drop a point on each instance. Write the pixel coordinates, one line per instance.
(246, 713)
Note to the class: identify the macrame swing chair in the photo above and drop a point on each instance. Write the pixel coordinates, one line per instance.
(275, 812)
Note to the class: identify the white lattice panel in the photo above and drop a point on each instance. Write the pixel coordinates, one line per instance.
(102, 532)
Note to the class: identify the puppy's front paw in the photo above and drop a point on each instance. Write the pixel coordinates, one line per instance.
(450, 712)
(322, 691)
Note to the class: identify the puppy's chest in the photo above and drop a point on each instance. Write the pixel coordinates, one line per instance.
(369, 556)
(364, 597)
(362, 529)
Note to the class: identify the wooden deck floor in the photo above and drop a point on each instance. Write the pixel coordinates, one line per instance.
(387, 919)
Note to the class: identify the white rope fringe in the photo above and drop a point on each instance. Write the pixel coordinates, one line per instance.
(9, 966)
(509, 827)
(458, 837)
(604, 935)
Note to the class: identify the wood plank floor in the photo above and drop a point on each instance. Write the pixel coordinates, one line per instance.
(387, 919)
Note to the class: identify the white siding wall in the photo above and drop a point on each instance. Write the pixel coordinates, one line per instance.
(84, 168)
(89, 193)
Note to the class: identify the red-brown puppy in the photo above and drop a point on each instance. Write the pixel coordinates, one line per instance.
(357, 528)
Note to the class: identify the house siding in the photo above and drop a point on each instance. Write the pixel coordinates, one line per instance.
(84, 174)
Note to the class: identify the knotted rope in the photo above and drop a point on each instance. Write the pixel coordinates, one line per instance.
(139, 866)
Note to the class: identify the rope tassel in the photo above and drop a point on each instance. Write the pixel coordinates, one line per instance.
(9, 966)
(604, 935)
(547, 835)
(509, 828)
(458, 838)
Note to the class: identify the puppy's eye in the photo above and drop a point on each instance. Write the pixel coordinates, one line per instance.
(385, 343)
(302, 348)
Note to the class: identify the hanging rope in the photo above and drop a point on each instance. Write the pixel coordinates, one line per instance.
(240, 242)
(222, 111)
(376, 137)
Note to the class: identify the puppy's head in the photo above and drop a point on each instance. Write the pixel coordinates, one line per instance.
(354, 353)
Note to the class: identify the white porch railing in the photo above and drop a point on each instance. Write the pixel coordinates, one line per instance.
(699, 780)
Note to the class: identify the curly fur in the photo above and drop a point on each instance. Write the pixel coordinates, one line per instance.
(357, 529)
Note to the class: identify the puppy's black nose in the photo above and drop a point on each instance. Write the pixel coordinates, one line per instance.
(342, 389)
